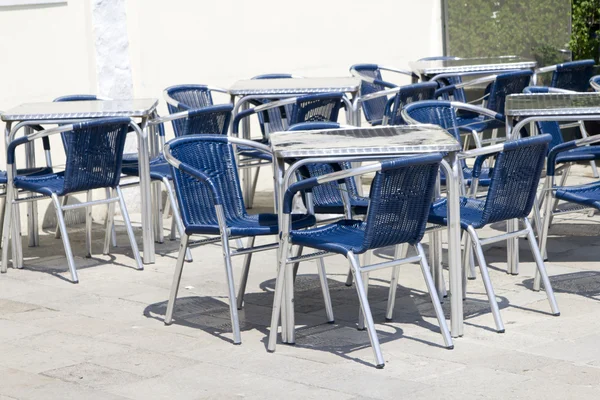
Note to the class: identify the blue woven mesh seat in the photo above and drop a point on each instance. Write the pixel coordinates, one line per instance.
(552, 128)
(36, 171)
(443, 114)
(512, 189)
(326, 198)
(94, 152)
(587, 195)
(573, 75)
(373, 109)
(595, 83)
(159, 168)
(214, 157)
(400, 197)
(406, 95)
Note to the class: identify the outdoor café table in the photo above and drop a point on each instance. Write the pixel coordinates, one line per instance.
(292, 150)
(29, 114)
(436, 69)
(260, 89)
(560, 107)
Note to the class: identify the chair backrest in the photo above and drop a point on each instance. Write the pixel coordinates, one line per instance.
(515, 178)
(505, 84)
(212, 120)
(595, 83)
(327, 193)
(273, 119)
(401, 194)
(323, 107)
(189, 97)
(406, 95)
(375, 108)
(213, 156)
(94, 151)
(457, 94)
(435, 112)
(573, 75)
(551, 128)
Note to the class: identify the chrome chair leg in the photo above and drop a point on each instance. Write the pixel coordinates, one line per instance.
(325, 290)
(349, 278)
(65, 238)
(435, 300)
(296, 265)
(366, 310)
(110, 224)
(278, 297)
(63, 202)
(16, 237)
(2, 215)
(361, 315)
(245, 271)
(176, 279)
(235, 322)
(112, 232)
(6, 227)
(134, 246)
(88, 225)
(544, 236)
(176, 216)
(541, 268)
(466, 263)
(399, 252)
(485, 277)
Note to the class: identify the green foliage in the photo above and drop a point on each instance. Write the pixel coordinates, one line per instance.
(530, 28)
(585, 36)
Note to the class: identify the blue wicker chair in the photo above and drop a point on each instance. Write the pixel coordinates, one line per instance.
(372, 82)
(511, 195)
(595, 83)
(94, 155)
(211, 203)
(400, 195)
(573, 75)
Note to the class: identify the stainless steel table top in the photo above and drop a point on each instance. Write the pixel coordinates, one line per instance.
(81, 109)
(294, 86)
(544, 104)
(367, 141)
(462, 65)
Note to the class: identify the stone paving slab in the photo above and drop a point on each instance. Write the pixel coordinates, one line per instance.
(104, 338)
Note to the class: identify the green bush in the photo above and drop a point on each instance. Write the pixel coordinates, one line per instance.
(585, 35)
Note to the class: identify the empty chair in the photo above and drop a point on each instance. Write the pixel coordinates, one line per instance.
(273, 120)
(186, 97)
(458, 94)
(372, 82)
(514, 180)
(444, 114)
(573, 75)
(211, 203)
(323, 107)
(595, 83)
(400, 196)
(94, 154)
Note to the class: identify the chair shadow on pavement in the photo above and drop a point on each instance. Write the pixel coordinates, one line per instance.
(583, 283)
(342, 338)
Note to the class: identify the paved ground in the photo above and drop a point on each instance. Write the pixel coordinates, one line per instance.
(104, 338)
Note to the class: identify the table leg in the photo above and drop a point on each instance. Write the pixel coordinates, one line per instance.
(32, 209)
(145, 192)
(246, 172)
(452, 167)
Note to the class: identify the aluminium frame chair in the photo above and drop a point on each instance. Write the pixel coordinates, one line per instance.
(574, 75)
(511, 195)
(401, 194)
(94, 156)
(211, 203)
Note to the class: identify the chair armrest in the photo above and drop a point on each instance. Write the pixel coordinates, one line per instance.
(478, 164)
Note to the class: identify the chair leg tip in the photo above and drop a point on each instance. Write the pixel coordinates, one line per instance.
(348, 285)
(380, 366)
(388, 319)
(471, 278)
(501, 331)
(360, 329)
(557, 314)
(270, 351)
(331, 322)
(451, 347)
(237, 343)
(168, 323)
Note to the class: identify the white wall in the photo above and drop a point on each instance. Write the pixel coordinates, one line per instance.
(219, 42)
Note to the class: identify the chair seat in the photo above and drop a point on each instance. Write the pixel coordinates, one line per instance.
(253, 225)
(340, 237)
(359, 206)
(587, 195)
(484, 176)
(43, 184)
(159, 168)
(471, 212)
(579, 154)
(251, 152)
(26, 171)
(479, 123)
